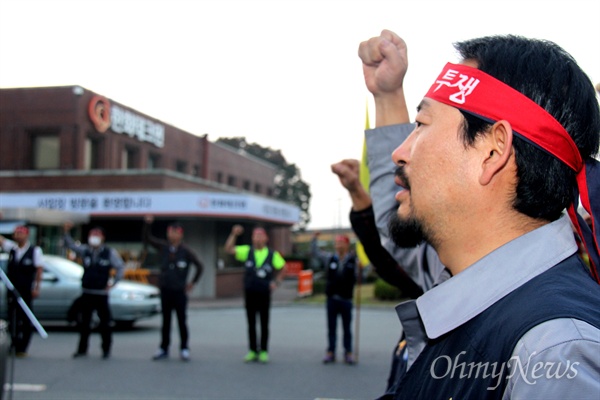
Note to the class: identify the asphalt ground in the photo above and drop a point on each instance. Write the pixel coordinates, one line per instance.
(218, 342)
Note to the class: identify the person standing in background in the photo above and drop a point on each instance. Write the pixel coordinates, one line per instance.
(176, 259)
(25, 272)
(263, 273)
(98, 261)
(341, 267)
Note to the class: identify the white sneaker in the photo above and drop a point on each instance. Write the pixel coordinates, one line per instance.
(160, 355)
(185, 354)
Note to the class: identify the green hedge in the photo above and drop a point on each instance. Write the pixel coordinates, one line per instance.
(384, 291)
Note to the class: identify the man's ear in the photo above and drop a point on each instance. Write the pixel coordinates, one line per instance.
(498, 147)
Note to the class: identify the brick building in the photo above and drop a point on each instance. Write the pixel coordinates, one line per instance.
(69, 149)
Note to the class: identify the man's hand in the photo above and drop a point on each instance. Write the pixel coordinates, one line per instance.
(189, 286)
(237, 230)
(67, 226)
(385, 62)
(348, 172)
(35, 292)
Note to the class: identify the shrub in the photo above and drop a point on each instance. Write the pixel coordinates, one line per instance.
(384, 291)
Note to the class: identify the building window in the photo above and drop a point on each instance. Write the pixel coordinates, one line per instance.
(129, 158)
(257, 188)
(153, 161)
(181, 166)
(270, 192)
(46, 152)
(196, 170)
(220, 177)
(92, 154)
(231, 180)
(246, 185)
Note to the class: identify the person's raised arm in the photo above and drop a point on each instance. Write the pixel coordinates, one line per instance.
(147, 237)
(236, 231)
(69, 242)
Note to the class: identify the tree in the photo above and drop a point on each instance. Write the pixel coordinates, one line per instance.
(289, 186)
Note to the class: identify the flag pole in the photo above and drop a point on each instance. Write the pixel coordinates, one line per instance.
(362, 257)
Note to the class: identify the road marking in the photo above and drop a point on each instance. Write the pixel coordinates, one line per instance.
(25, 387)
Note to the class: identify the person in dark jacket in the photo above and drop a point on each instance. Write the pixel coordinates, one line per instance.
(176, 260)
(25, 272)
(98, 262)
(341, 270)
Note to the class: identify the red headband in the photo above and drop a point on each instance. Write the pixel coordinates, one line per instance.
(476, 92)
(22, 228)
(343, 238)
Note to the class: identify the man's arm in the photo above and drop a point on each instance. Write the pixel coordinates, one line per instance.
(70, 243)
(39, 270)
(198, 266)
(147, 237)
(322, 255)
(363, 224)
(236, 231)
(279, 266)
(117, 263)
(558, 359)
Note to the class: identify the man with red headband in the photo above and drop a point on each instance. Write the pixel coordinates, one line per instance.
(176, 260)
(99, 262)
(25, 272)
(341, 269)
(485, 179)
(263, 268)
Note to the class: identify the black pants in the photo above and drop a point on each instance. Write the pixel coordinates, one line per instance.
(89, 304)
(258, 303)
(173, 300)
(19, 324)
(337, 306)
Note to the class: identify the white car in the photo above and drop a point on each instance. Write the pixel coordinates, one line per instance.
(61, 286)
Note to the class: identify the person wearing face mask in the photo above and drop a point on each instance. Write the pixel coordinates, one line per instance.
(98, 260)
(25, 272)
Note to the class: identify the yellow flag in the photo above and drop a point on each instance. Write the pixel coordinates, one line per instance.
(364, 180)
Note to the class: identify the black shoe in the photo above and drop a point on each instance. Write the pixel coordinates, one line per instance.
(79, 354)
(106, 354)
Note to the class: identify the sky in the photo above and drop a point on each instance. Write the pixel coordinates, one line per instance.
(284, 74)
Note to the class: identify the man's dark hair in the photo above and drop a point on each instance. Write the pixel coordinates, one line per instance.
(548, 75)
(98, 229)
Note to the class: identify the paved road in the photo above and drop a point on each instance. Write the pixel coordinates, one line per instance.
(216, 371)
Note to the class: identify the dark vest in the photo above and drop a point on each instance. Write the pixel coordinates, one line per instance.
(341, 277)
(465, 362)
(258, 279)
(174, 268)
(22, 272)
(96, 272)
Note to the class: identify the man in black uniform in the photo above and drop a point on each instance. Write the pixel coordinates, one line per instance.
(176, 259)
(341, 268)
(98, 260)
(25, 273)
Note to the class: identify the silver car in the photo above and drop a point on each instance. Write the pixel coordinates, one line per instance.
(61, 286)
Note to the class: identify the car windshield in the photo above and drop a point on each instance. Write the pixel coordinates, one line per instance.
(64, 266)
